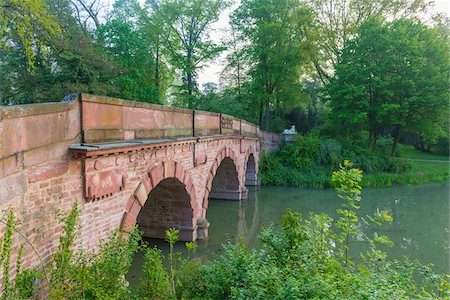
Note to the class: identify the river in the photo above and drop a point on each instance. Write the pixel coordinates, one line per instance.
(420, 228)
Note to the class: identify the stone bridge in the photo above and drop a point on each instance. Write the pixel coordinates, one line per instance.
(124, 163)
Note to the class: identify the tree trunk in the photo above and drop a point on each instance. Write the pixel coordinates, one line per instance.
(157, 73)
(260, 112)
(266, 126)
(190, 90)
(372, 128)
(189, 78)
(396, 136)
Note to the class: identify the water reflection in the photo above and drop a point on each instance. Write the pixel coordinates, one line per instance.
(420, 228)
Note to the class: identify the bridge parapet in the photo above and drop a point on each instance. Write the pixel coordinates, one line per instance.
(108, 119)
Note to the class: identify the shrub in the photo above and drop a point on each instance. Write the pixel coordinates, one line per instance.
(155, 282)
(86, 275)
(399, 165)
(330, 153)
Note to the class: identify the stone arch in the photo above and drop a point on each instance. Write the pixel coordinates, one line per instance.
(225, 165)
(167, 180)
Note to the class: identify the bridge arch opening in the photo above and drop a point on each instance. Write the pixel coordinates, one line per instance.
(167, 205)
(250, 172)
(225, 184)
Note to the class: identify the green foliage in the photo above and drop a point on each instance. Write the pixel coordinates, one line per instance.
(392, 78)
(27, 22)
(62, 273)
(305, 258)
(23, 286)
(172, 237)
(25, 283)
(275, 49)
(86, 275)
(155, 283)
(5, 256)
(308, 162)
(348, 187)
(185, 36)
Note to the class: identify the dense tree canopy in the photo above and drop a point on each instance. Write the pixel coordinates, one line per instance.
(274, 32)
(393, 76)
(29, 24)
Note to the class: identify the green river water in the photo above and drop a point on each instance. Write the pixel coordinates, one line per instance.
(420, 228)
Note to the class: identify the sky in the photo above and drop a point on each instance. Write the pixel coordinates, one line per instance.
(211, 72)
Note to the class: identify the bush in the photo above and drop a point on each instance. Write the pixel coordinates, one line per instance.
(399, 165)
(330, 153)
(155, 282)
(86, 275)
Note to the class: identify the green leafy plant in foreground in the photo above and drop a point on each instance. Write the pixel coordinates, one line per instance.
(348, 187)
(23, 285)
(92, 275)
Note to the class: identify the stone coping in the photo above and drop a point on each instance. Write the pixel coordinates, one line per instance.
(84, 150)
(131, 103)
(34, 109)
(208, 113)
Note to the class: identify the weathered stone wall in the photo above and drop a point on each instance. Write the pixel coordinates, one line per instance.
(40, 178)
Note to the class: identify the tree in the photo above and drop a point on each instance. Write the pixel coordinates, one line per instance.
(75, 63)
(185, 36)
(391, 77)
(336, 21)
(131, 40)
(273, 32)
(234, 74)
(29, 24)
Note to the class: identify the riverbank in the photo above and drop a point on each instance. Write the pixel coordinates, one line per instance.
(409, 167)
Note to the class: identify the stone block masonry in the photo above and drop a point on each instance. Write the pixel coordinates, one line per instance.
(124, 163)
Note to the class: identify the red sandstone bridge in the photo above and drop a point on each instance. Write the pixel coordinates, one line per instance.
(124, 163)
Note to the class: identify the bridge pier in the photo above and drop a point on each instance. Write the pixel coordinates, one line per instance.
(253, 181)
(223, 194)
(202, 228)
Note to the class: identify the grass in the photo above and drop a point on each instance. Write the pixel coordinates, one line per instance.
(421, 171)
(408, 151)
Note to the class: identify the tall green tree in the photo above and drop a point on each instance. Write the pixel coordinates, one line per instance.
(27, 24)
(75, 63)
(392, 77)
(130, 39)
(186, 37)
(276, 45)
(336, 21)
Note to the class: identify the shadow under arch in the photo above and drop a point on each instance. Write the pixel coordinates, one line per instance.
(167, 205)
(225, 184)
(251, 176)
